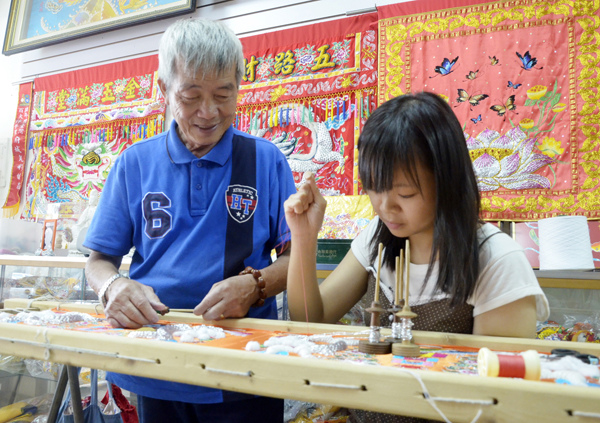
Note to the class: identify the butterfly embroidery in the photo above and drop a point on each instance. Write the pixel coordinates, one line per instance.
(501, 109)
(477, 119)
(528, 62)
(515, 86)
(493, 60)
(473, 100)
(446, 67)
(472, 74)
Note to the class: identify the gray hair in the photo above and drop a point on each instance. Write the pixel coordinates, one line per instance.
(199, 45)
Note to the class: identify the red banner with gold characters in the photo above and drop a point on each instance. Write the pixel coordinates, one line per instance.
(522, 78)
(309, 90)
(81, 121)
(19, 150)
(96, 89)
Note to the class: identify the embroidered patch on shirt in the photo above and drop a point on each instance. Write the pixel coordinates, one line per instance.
(241, 202)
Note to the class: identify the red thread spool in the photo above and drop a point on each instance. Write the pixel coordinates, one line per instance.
(511, 366)
(525, 365)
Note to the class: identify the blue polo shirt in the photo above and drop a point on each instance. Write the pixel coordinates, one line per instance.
(174, 208)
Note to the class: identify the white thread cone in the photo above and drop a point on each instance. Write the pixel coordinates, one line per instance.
(565, 243)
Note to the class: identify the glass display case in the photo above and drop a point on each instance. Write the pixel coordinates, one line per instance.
(27, 381)
(574, 296)
(24, 379)
(57, 278)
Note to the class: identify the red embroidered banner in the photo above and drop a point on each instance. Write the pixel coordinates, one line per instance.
(522, 78)
(309, 91)
(19, 150)
(123, 90)
(81, 121)
(98, 74)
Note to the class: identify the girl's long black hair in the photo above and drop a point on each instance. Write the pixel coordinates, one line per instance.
(422, 128)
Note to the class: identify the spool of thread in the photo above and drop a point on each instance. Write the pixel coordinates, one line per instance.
(565, 243)
(525, 365)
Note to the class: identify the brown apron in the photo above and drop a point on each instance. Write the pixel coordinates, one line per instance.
(436, 316)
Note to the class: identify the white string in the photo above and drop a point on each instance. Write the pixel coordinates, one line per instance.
(333, 385)
(44, 332)
(47, 342)
(45, 297)
(229, 372)
(49, 297)
(464, 401)
(50, 346)
(479, 413)
(585, 414)
(431, 400)
(31, 302)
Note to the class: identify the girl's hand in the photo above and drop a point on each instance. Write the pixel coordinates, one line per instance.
(304, 210)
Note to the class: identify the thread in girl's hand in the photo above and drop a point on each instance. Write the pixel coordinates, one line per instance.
(525, 365)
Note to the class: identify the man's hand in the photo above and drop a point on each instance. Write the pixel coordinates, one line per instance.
(231, 297)
(131, 304)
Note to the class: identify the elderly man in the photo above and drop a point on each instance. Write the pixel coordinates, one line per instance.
(199, 209)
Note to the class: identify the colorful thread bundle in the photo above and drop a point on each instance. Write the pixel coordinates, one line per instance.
(131, 129)
(525, 365)
(303, 111)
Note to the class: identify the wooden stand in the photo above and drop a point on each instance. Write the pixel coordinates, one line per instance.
(374, 345)
(367, 347)
(406, 347)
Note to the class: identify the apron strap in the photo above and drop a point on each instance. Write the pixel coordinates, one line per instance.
(242, 199)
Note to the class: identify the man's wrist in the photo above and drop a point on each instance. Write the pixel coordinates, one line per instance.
(260, 285)
(105, 286)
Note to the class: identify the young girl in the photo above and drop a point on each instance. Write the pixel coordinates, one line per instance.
(466, 276)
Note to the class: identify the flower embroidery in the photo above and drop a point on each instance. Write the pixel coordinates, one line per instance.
(506, 161)
(550, 147)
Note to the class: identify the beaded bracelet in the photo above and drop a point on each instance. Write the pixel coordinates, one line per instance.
(260, 284)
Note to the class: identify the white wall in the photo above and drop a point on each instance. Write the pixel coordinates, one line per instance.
(245, 17)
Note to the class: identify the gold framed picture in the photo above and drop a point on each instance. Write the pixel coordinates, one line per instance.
(37, 23)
